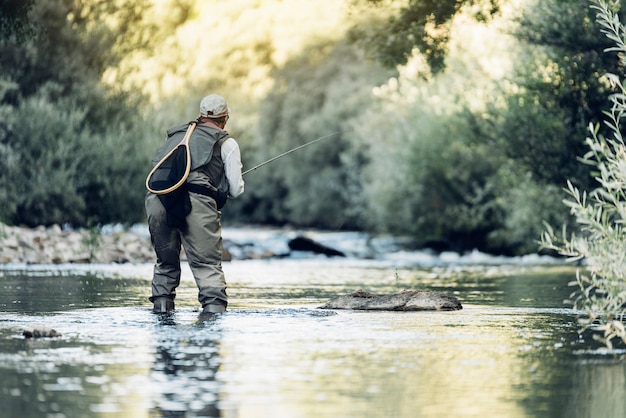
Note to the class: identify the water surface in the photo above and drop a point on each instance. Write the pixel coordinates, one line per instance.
(513, 351)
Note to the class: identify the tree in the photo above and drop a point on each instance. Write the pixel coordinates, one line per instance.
(421, 24)
(62, 131)
(559, 90)
(315, 94)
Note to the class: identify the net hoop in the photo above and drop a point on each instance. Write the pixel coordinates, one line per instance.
(183, 143)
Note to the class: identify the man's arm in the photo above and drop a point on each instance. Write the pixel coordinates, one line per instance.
(231, 156)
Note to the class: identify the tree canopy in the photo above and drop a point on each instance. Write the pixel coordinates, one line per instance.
(422, 24)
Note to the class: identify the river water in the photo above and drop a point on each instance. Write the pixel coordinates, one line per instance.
(513, 350)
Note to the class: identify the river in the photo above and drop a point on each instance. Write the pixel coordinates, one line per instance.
(513, 350)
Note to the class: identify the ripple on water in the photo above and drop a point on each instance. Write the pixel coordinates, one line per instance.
(509, 352)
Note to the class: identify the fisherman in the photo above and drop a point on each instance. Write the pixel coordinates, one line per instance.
(215, 160)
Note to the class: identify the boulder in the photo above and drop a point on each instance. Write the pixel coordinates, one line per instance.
(408, 300)
(307, 244)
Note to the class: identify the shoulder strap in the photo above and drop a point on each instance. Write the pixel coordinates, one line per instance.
(222, 140)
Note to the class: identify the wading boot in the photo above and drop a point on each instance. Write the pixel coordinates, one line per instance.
(208, 309)
(163, 304)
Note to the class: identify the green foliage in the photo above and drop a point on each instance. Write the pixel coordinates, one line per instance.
(421, 24)
(13, 17)
(314, 95)
(41, 170)
(68, 145)
(458, 154)
(59, 171)
(559, 91)
(91, 241)
(521, 134)
(451, 174)
(522, 201)
(600, 213)
(429, 178)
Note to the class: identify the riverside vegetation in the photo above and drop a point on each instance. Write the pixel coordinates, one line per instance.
(445, 119)
(601, 213)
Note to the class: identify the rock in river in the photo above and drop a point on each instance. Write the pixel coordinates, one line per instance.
(41, 333)
(307, 244)
(408, 300)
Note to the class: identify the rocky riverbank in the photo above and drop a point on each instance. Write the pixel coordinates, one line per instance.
(57, 245)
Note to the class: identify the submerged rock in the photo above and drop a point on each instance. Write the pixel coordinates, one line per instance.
(41, 333)
(408, 300)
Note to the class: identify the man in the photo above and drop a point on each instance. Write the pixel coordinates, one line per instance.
(215, 159)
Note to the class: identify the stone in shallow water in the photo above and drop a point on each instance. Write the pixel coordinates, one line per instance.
(408, 300)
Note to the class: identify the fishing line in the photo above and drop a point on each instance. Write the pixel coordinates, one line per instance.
(291, 150)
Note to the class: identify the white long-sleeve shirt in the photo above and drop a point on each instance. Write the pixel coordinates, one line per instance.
(231, 157)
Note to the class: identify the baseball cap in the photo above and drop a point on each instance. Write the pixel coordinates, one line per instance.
(214, 106)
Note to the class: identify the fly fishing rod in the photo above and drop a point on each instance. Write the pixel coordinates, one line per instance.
(290, 151)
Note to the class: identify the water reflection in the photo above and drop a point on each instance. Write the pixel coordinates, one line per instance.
(185, 370)
(596, 391)
(513, 351)
(50, 291)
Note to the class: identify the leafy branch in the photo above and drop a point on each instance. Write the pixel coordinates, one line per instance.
(601, 214)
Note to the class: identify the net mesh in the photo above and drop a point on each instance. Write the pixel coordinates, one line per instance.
(170, 171)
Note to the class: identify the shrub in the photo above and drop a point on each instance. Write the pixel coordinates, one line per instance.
(56, 170)
(601, 213)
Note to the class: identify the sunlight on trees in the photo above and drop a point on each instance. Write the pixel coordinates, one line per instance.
(451, 152)
(233, 42)
(402, 26)
(429, 168)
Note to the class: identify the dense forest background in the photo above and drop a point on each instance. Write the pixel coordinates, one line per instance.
(459, 121)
